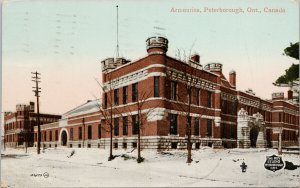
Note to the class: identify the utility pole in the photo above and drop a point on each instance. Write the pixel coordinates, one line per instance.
(37, 91)
(4, 138)
(83, 132)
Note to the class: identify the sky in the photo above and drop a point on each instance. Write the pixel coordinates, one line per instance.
(65, 40)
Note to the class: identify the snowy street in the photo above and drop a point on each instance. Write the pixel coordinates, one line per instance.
(88, 167)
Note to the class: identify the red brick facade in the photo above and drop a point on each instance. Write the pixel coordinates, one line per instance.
(160, 82)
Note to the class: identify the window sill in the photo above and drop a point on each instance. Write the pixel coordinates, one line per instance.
(173, 135)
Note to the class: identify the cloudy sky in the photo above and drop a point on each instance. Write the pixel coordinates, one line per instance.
(66, 40)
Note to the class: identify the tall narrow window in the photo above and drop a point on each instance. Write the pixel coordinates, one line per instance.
(196, 126)
(209, 127)
(90, 132)
(116, 126)
(116, 97)
(71, 134)
(56, 135)
(173, 124)
(189, 95)
(125, 125)
(198, 97)
(209, 99)
(50, 135)
(79, 133)
(156, 86)
(279, 114)
(173, 90)
(105, 100)
(223, 130)
(99, 131)
(232, 131)
(125, 94)
(134, 92)
(134, 124)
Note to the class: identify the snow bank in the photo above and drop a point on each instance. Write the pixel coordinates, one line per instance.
(89, 167)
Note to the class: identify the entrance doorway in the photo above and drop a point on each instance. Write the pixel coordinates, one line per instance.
(64, 138)
(253, 136)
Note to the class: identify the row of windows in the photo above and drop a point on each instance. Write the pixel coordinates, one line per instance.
(125, 95)
(173, 128)
(90, 128)
(287, 118)
(229, 107)
(10, 138)
(21, 124)
(289, 135)
(134, 93)
(135, 124)
(14, 125)
(174, 122)
(228, 131)
(47, 135)
(174, 95)
(252, 110)
(134, 88)
(116, 128)
(156, 89)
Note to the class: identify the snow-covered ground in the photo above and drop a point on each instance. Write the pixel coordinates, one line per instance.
(89, 167)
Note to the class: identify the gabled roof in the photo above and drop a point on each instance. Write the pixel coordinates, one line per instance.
(89, 107)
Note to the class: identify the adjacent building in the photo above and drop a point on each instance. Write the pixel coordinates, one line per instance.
(159, 93)
(19, 125)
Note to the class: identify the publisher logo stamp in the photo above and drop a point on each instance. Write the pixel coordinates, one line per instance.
(46, 175)
(274, 163)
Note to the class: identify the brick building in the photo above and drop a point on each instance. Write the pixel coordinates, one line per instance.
(156, 86)
(19, 125)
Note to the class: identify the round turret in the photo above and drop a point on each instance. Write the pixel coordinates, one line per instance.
(214, 67)
(157, 45)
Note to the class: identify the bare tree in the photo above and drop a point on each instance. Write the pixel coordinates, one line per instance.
(189, 79)
(143, 115)
(107, 110)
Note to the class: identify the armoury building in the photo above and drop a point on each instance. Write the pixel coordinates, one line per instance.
(155, 86)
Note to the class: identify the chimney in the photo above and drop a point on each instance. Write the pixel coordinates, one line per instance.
(232, 78)
(290, 94)
(195, 58)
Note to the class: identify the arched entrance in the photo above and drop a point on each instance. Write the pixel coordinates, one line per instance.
(64, 138)
(253, 136)
(251, 130)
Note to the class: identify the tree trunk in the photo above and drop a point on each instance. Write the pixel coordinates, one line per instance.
(189, 131)
(189, 148)
(26, 142)
(110, 146)
(111, 157)
(139, 144)
(139, 159)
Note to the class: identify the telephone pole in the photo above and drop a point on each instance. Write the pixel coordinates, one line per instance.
(37, 91)
(83, 132)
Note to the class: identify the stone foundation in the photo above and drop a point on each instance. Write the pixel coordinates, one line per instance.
(151, 142)
(284, 144)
